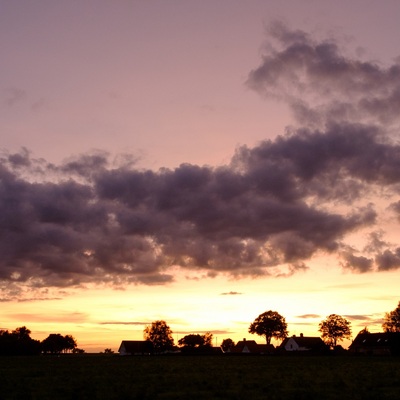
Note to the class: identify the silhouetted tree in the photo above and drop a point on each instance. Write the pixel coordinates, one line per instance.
(192, 341)
(70, 343)
(56, 343)
(108, 351)
(392, 320)
(25, 344)
(196, 344)
(22, 333)
(196, 340)
(18, 342)
(227, 344)
(78, 351)
(271, 325)
(7, 343)
(160, 334)
(334, 328)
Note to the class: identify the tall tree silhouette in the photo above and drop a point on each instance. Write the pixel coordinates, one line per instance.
(160, 334)
(271, 325)
(196, 344)
(56, 343)
(196, 340)
(392, 320)
(18, 342)
(334, 328)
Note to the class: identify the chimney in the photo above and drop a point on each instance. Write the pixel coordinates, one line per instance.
(244, 339)
(301, 335)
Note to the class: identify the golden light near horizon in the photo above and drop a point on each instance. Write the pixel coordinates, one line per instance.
(100, 319)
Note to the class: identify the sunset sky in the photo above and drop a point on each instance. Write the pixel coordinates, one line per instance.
(199, 162)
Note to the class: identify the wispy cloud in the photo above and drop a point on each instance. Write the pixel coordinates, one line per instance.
(303, 323)
(231, 293)
(123, 323)
(308, 316)
(31, 299)
(361, 320)
(359, 317)
(60, 318)
(321, 83)
(13, 96)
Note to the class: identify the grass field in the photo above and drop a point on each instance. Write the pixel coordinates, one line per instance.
(199, 377)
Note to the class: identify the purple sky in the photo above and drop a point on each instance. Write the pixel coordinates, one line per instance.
(149, 143)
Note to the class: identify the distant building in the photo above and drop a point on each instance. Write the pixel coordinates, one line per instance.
(135, 347)
(303, 343)
(251, 347)
(376, 344)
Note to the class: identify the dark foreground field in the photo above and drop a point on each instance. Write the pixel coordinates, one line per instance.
(201, 377)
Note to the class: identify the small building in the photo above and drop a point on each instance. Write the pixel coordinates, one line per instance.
(251, 347)
(385, 343)
(304, 343)
(135, 347)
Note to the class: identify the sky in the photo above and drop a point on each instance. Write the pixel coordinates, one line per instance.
(199, 163)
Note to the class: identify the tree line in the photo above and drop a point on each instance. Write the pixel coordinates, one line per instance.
(270, 325)
(19, 342)
(160, 335)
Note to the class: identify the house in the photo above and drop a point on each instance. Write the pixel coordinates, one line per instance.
(303, 343)
(387, 343)
(251, 347)
(135, 347)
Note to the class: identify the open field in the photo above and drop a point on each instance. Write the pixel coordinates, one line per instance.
(199, 377)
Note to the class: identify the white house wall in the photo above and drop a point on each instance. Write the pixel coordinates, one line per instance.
(291, 345)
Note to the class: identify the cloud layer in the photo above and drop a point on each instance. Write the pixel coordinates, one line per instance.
(321, 83)
(267, 212)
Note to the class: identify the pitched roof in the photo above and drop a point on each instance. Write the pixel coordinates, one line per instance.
(307, 342)
(136, 347)
(377, 340)
(251, 346)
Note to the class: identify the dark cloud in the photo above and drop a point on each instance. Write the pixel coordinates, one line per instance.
(266, 213)
(125, 225)
(388, 260)
(357, 263)
(20, 159)
(321, 83)
(375, 242)
(395, 207)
